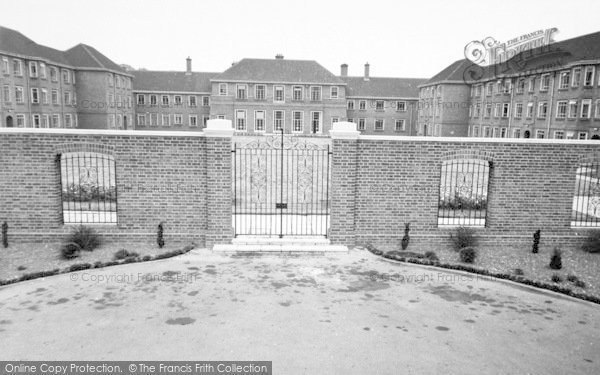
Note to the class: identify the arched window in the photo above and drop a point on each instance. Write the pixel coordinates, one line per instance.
(89, 188)
(586, 199)
(463, 197)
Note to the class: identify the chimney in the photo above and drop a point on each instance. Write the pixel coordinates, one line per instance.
(367, 66)
(188, 66)
(279, 56)
(344, 70)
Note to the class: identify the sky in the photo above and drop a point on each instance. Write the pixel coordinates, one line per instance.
(414, 39)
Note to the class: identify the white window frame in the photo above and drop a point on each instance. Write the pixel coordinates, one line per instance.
(334, 90)
(192, 101)
(559, 132)
(260, 89)
(578, 71)
(154, 119)
(241, 88)
(362, 105)
(295, 122)
(68, 120)
(5, 66)
(585, 74)
(21, 121)
(56, 120)
(375, 123)
(54, 97)
(264, 121)
(36, 121)
(193, 121)
(296, 89)
(558, 111)
(319, 91)
(582, 135)
(177, 119)
(141, 99)
(505, 110)
(177, 100)
(19, 99)
(275, 127)
(584, 103)
(243, 118)
(539, 132)
(362, 124)
(66, 76)
(542, 114)
(402, 127)
(19, 71)
(572, 113)
(350, 105)
(529, 113)
(399, 107)
(206, 100)
(162, 100)
(597, 114)
(565, 80)
(516, 133)
(35, 95)
(319, 124)
(33, 69)
(45, 122)
(166, 119)
(518, 110)
(153, 100)
(222, 89)
(277, 88)
(141, 119)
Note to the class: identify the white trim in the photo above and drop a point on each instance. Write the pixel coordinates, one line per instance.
(407, 138)
(264, 120)
(158, 92)
(128, 133)
(282, 119)
(301, 121)
(275, 87)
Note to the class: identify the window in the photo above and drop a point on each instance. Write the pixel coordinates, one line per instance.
(505, 110)
(298, 93)
(5, 66)
(586, 108)
(192, 101)
(259, 121)
(165, 100)
(53, 74)
(401, 106)
(55, 97)
(559, 134)
(400, 125)
(576, 77)
(68, 121)
(153, 101)
(222, 89)
(529, 113)
(499, 86)
(582, 135)
(177, 100)
(507, 86)
(350, 119)
(177, 119)
(44, 96)
(503, 132)
(45, 121)
(496, 132)
(17, 68)
(166, 120)
(497, 108)
(316, 120)
(489, 88)
(476, 90)
(518, 110)
(362, 105)
(545, 82)
(205, 121)
(297, 122)
(561, 109)
(111, 99)
(520, 85)
(378, 125)
(361, 124)
(350, 104)
(120, 121)
(35, 119)
(315, 93)
(241, 91)
(488, 110)
(516, 133)
(20, 121)
(67, 97)
(33, 69)
(6, 93)
(476, 131)
(463, 192)
(541, 134)
(379, 105)
(564, 80)
(572, 108)
(334, 92)
(141, 120)
(278, 120)
(35, 96)
(598, 108)
(221, 117)
(334, 119)
(278, 94)
(66, 76)
(240, 120)
(531, 84)
(542, 110)
(89, 189)
(588, 79)
(19, 94)
(141, 100)
(154, 119)
(193, 120)
(259, 92)
(205, 100)
(118, 81)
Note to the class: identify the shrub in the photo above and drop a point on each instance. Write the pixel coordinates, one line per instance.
(431, 255)
(556, 278)
(406, 237)
(124, 254)
(556, 259)
(592, 244)
(579, 284)
(464, 237)
(519, 272)
(85, 237)
(21, 268)
(70, 250)
(146, 258)
(80, 267)
(536, 241)
(98, 264)
(5, 234)
(572, 278)
(159, 236)
(467, 254)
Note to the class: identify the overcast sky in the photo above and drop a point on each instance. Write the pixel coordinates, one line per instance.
(398, 38)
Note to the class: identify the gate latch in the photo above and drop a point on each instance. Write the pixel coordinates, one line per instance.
(282, 206)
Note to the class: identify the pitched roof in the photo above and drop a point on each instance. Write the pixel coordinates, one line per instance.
(278, 70)
(80, 56)
(554, 56)
(147, 80)
(383, 87)
(84, 56)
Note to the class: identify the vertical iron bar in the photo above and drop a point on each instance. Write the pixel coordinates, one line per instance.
(327, 197)
(235, 193)
(281, 211)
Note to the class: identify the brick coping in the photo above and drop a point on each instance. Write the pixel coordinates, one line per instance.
(404, 138)
(128, 133)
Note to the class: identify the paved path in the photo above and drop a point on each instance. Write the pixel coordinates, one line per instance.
(332, 314)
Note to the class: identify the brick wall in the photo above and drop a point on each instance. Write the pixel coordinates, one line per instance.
(397, 181)
(159, 178)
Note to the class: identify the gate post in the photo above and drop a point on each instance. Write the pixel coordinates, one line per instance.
(344, 165)
(218, 134)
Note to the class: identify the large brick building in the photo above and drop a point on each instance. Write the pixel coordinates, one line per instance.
(547, 92)
(46, 88)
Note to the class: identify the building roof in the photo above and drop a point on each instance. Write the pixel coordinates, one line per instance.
(383, 87)
(80, 56)
(278, 70)
(547, 58)
(148, 80)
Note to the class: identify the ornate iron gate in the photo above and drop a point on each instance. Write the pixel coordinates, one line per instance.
(281, 187)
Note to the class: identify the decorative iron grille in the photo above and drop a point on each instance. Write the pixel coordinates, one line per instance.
(88, 188)
(586, 200)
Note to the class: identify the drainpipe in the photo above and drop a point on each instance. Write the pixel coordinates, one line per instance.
(551, 103)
